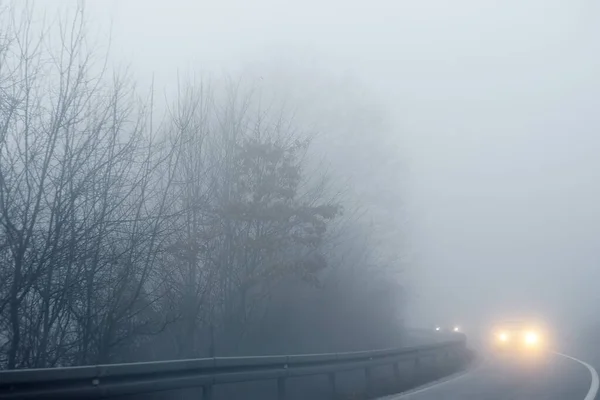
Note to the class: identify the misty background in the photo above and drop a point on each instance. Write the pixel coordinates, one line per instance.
(460, 139)
(488, 110)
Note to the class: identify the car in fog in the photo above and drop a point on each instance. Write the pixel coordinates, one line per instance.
(517, 337)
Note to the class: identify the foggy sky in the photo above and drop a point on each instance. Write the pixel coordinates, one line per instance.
(492, 106)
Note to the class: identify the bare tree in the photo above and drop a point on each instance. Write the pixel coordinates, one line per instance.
(114, 231)
(82, 208)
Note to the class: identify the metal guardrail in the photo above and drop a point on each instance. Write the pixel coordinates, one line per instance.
(104, 381)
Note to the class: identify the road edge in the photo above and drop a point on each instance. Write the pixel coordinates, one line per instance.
(447, 379)
(591, 395)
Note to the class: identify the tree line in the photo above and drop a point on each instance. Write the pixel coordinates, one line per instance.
(209, 232)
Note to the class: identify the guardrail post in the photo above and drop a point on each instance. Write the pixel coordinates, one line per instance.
(397, 372)
(207, 391)
(417, 368)
(332, 383)
(369, 381)
(446, 362)
(280, 388)
(437, 364)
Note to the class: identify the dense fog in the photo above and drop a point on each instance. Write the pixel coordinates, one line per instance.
(488, 111)
(234, 177)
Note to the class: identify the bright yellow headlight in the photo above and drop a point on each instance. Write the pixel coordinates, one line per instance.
(531, 338)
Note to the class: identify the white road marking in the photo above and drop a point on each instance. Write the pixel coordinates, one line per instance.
(451, 378)
(591, 395)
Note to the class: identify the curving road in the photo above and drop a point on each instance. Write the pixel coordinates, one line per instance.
(556, 376)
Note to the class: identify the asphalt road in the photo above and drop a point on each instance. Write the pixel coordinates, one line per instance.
(552, 377)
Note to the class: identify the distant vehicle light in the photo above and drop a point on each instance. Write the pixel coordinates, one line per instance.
(456, 329)
(437, 328)
(503, 337)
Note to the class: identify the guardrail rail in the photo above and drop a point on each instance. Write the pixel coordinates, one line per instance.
(105, 381)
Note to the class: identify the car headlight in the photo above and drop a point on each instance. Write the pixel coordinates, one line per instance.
(531, 338)
(456, 329)
(437, 328)
(503, 337)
